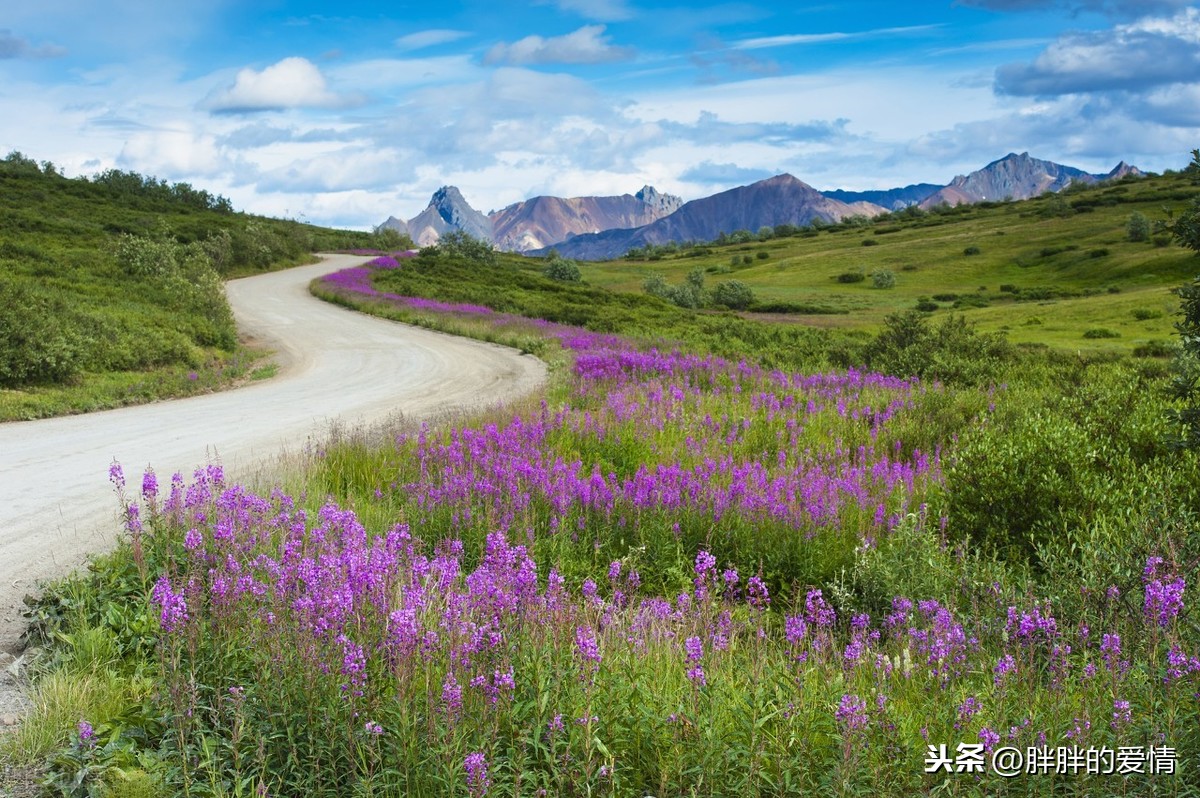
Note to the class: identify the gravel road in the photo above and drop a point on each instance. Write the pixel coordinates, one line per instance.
(57, 505)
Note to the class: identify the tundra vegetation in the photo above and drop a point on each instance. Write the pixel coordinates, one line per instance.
(110, 287)
(719, 555)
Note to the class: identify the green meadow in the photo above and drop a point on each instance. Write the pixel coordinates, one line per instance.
(1044, 271)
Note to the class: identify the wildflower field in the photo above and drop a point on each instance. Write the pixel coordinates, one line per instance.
(677, 572)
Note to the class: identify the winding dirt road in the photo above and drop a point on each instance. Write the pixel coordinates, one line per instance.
(56, 503)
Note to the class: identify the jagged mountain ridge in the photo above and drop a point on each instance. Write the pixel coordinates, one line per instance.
(782, 199)
(593, 228)
(535, 223)
(544, 221)
(1017, 177)
(894, 199)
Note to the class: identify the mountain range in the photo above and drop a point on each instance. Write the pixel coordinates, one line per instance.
(535, 223)
(599, 228)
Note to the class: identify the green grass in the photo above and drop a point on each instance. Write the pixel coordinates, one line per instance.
(1074, 244)
(82, 329)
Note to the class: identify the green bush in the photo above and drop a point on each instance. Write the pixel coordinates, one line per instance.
(953, 352)
(1145, 314)
(561, 269)
(883, 278)
(851, 277)
(39, 342)
(733, 294)
(1101, 332)
(972, 250)
(1138, 227)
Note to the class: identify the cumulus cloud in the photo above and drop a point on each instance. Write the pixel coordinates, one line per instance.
(291, 83)
(1116, 8)
(173, 153)
(15, 47)
(429, 38)
(1140, 55)
(588, 45)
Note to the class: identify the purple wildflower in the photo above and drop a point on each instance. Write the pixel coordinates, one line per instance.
(173, 606)
(477, 774)
(852, 713)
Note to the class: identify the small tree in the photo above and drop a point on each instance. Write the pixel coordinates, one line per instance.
(733, 294)
(560, 268)
(1185, 386)
(1187, 227)
(883, 278)
(1138, 227)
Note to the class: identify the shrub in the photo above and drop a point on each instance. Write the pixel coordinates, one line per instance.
(1101, 332)
(945, 297)
(1098, 253)
(908, 267)
(38, 339)
(926, 306)
(883, 278)
(1185, 386)
(1153, 349)
(972, 250)
(733, 294)
(1008, 288)
(953, 351)
(1138, 227)
(747, 260)
(562, 269)
(870, 242)
(763, 254)
(1145, 314)
(851, 277)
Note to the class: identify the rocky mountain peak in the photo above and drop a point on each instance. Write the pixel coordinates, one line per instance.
(662, 204)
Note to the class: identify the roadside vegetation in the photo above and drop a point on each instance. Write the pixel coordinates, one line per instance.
(719, 555)
(110, 287)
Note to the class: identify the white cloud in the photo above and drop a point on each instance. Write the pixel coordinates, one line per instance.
(430, 38)
(588, 45)
(291, 83)
(173, 152)
(788, 40)
(1138, 55)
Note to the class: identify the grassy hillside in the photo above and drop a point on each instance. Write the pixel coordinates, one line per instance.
(1045, 271)
(110, 287)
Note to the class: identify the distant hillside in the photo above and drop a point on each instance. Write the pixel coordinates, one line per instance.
(778, 200)
(545, 221)
(892, 199)
(1016, 177)
(110, 286)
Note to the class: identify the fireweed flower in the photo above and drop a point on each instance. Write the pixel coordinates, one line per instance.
(989, 738)
(1006, 665)
(694, 648)
(173, 607)
(477, 774)
(1164, 597)
(1122, 714)
(852, 713)
(87, 735)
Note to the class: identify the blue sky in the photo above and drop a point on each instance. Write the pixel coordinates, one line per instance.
(347, 113)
